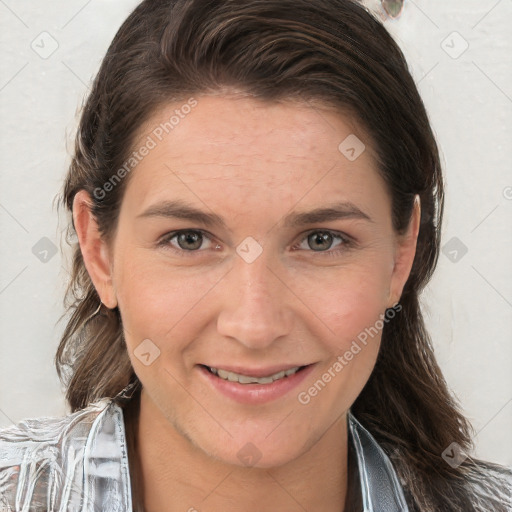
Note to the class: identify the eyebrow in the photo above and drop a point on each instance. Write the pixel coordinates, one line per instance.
(180, 210)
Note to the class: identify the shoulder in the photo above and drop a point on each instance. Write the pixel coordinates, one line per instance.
(42, 460)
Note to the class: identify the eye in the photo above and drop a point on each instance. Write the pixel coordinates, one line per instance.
(321, 240)
(186, 240)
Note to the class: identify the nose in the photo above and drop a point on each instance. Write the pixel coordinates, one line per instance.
(254, 307)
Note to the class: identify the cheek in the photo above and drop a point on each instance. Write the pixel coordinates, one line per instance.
(337, 302)
(346, 301)
(354, 314)
(155, 301)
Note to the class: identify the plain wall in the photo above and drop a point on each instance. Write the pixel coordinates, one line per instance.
(467, 92)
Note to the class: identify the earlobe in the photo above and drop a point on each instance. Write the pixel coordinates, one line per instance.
(95, 252)
(405, 253)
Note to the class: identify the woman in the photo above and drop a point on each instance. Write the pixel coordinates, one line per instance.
(215, 358)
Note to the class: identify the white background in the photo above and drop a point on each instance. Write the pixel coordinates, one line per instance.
(468, 305)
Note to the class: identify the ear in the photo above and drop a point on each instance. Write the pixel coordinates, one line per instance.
(95, 252)
(404, 254)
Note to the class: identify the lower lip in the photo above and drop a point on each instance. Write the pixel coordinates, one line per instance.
(256, 393)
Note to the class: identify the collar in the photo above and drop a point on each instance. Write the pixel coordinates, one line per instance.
(380, 488)
(107, 474)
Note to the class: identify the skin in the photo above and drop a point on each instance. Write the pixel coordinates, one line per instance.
(251, 163)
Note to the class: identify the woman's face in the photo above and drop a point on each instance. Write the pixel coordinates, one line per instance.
(288, 260)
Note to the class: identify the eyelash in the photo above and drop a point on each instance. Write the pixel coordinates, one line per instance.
(348, 243)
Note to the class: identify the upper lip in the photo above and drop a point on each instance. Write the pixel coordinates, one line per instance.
(256, 372)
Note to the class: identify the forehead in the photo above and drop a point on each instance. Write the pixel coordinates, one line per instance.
(237, 144)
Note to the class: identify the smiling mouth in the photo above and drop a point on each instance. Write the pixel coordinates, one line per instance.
(246, 379)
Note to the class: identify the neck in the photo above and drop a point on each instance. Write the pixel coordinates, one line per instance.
(191, 480)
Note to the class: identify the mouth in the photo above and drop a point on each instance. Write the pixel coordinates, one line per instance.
(256, 386)
(247, 377)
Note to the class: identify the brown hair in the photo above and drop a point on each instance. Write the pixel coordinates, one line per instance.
(331, 51)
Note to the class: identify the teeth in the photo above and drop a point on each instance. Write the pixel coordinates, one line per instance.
(245, 379)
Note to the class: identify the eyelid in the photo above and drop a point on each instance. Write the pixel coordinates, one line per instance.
(348, 241)
(333, 232)
(164, 240)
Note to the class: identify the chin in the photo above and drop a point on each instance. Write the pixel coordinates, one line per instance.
(258, 451)
(250, 456)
